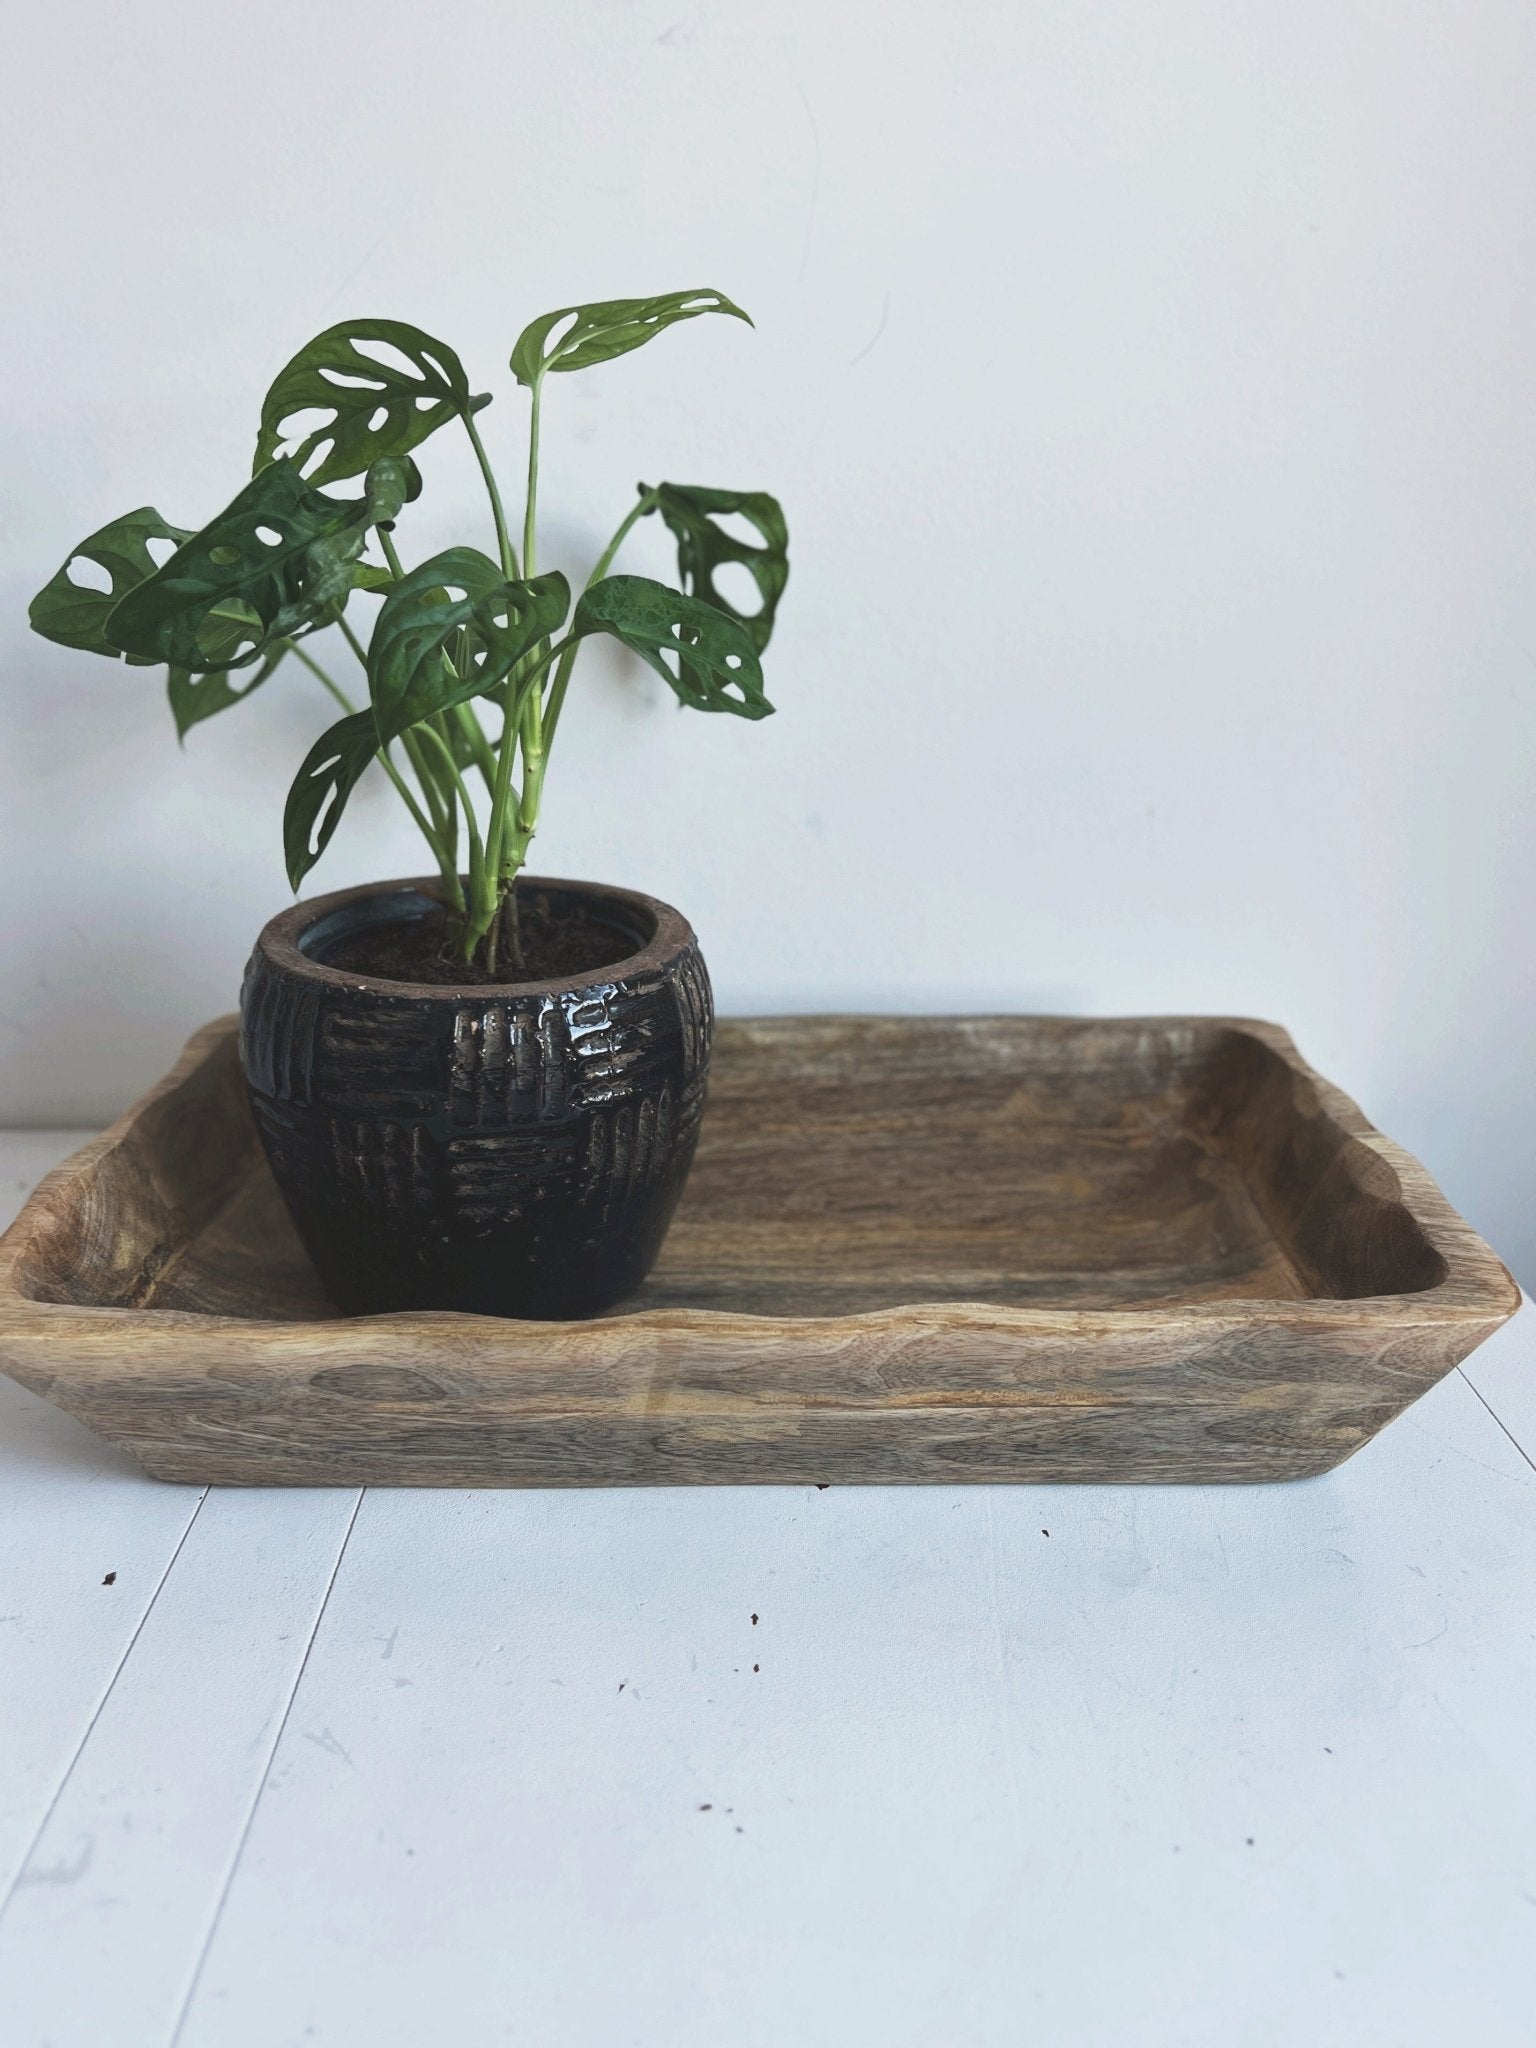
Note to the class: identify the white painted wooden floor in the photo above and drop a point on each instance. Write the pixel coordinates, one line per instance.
(774, 1768)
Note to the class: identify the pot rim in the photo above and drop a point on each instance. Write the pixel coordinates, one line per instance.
(279, 942)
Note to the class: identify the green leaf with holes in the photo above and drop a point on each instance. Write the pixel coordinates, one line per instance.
(74, 615)
(693, 512)
(369, 406)
(706, 656)
(334, 570)
(607, 328)
(328, 776)
(453, 629)
(194, 698)
(275, 564)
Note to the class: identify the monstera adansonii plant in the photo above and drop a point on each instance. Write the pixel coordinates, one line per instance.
(460, 639)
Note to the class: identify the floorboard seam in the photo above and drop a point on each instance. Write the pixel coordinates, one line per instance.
(1520, 1447)
(100, 1708)
(266, 1771)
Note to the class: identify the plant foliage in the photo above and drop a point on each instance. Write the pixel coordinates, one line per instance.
(704, 546)
(75, 613)
(370, 403)
(576, 337)
(461, 638)
(707, 656)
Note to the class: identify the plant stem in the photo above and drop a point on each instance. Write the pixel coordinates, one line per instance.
(353, 642)
(557, 691)
(503, 537)
(508, 843)
(408, 740)
(531, 721)
(530, 503)
(482, 904)
(441, 832)
(600, 568)
(462, 716)
(451, 769)
(424, 824)
(320, 676)
(501, 799)
(450, 792)
(434, 834)
(637, 511)
(535, 756)
(435, 791)
(391, 553)
(531, 736)
(474, 732)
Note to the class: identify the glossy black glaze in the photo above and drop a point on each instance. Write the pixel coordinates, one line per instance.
(512, 1150)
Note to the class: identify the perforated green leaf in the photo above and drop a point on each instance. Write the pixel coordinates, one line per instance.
(707, 657)
(328, 776)
(458, 593)
(607, 328)
(693, 512)
(276, 563)
(194, 698)
(369, 407)
(74, 615)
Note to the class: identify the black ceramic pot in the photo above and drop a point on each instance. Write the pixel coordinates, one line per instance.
(516, 1150)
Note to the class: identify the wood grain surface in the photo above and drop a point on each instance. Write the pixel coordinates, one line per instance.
(911, 1249)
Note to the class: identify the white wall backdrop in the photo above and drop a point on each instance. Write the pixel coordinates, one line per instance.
(1149, 385)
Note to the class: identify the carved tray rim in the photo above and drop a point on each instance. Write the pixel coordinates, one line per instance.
(1476, 1282)
(976, 1363)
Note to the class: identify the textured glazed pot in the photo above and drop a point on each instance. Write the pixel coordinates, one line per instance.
(514, 1150)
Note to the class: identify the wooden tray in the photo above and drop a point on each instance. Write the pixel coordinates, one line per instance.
(911, 1249)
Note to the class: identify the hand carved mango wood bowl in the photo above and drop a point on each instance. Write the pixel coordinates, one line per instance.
(1002, 1248)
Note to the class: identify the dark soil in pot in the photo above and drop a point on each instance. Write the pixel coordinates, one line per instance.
(552, 942)
(512, 1148)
